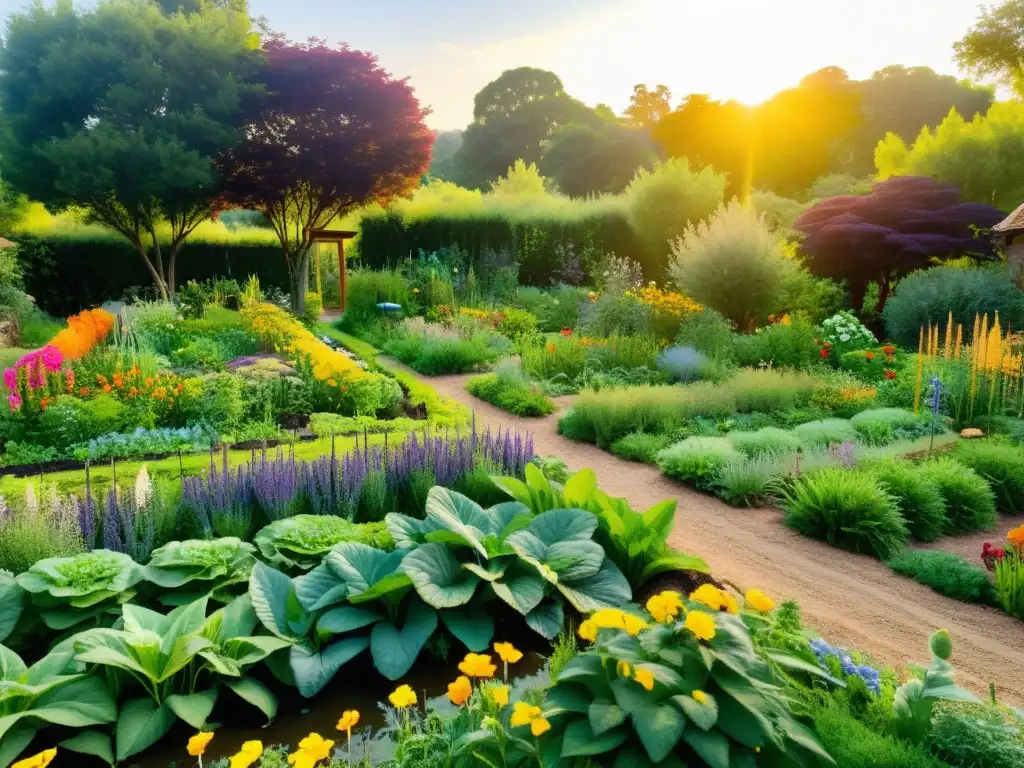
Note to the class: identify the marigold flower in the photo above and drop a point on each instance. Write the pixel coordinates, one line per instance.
(729, 604)
(107, 388)
(824, 353)
(701, 624)
(316, 747)
(1016, 537)
(523, 714)
(645, 678)
(460, 691)
(758, 600)
(869, 355)
(700, 697)
(250, 752)
(198, 743)
(709, 595)
(498, 694)
(507, 652)
(567, 332)
(83, 391)
(890, 374)
(539, 726)
(477, 665)
(665, 606)
(403, 696)
(349, 720)
(40, 760)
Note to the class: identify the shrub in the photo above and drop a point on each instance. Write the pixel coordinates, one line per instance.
(627, 351)
(946, 573)
(517, 325)
(697, 460)
(967, 735)
(707, 332)
(511, 394)
(365, 289)
(881, 426)
(930, 295)
(314, 308)
(843, 332)
(918, 496)
(970, 503)
(768, 441)
(764, 391)
(565, 356)
(433, 351)
(682, 364)
(785, 344)
(733, 263)
(70, 420)
(555, 308)
(616, 313)
(747, 482)
(854, 745)
(1002, 466)
(216, 399)
(848, 509)
(199, 353)
(640, 446)
(825, 432)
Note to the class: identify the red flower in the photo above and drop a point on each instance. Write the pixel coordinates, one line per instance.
(889, 349)
(869, 355)
(824, 353)
(567, 332)
(890, 374)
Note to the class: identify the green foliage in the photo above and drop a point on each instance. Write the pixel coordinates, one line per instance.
(434, 352)
(767, 441)
(733, 263)
(708, 332)
(216, 399)
(915, 699)
(561, 357)
(188, 570)
(852, 744)
(697, 460)
(880, 426)
(596, 159)
(750, 482)
(71, 420)
(1009, 577)
(302, 541)
(946, 573)
(825, 432)
(555, 308)
(365, 289)
(929, 295)
(511, 394)
(640, 446)
(918, 495)
(204, 353)
(1001, 465)
(616, 313)
(314, 308)
(974, 735)
(783, 345)
(970, 502)
(848, 509)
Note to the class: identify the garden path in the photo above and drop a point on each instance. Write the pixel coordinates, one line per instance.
(854, 601)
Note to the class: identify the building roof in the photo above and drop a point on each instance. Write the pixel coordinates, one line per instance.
(1012, 223)
(5, 243)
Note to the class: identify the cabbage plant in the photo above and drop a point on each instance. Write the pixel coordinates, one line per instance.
(188, 570)
(302, 541)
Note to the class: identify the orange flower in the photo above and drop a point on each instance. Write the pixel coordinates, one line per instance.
(1016, 537)
(107, 387)
(83, 391)
(149, 381)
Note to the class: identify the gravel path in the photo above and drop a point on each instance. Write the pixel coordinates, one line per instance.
(851, 600)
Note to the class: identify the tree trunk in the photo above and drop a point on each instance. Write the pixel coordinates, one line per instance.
(171, 261)
(160, 284)
(883, 294)
(298, 271)
(857, 290)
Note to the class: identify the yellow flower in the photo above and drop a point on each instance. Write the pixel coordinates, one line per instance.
(349, 720)
(539, 726)
(700, 697)
(507, 652)
(498, 694)
(665, 606)
(1016, 537)
(701, 624)
(403, 696)
(645, 678)
(250, 752)
(588, 631)
(316, 747)
(301, 759)
(729, 603)
(623, 669)
(610, 618)
(523, 714)
(460, 690)
(709, 595)
(40, 760)
(332, 383)
(477, 665)
(198, 743)
(758, 600)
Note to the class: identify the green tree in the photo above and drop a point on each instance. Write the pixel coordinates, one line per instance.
(648, 107)
(994, 47)
(521, 180)
(596, 159)
(982, 157)
(121, 110)
(446, 144)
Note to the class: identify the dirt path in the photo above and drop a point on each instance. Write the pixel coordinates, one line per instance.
(851, 600)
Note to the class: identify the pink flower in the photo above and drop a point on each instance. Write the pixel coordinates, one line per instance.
(52, 358)
(14, 401)
(11, 378)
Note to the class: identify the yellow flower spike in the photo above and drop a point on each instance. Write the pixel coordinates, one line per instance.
(700, 697)
(523, 714)
(402, 697)
(477, 665)
(460, 691)
(645, 678)
(40, 760)
(250, 752)
(665, 606)
(623, 669)
(508, 653)
(758, 600)
(499, 695)
(539, 726)
(198, 743)
(709, 595)
(701, 624)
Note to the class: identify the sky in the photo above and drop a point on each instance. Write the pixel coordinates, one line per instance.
(741, 49)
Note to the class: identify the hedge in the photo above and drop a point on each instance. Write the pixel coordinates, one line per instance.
(67, 274)
(388, 238)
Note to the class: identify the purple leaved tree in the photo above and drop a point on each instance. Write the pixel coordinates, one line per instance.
(903, 224)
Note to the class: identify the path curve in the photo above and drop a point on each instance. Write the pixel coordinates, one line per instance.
(853, 601)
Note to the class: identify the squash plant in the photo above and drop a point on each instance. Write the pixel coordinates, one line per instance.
(635, 542)
(181, 661)
(188, 570)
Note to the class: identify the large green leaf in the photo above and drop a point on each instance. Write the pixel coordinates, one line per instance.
(459, 515)
(607, 588)
(362, 566)
(271, 592)
(704, 716)
(521, 588)
(574, 560)
(515, 488)
(409, 532)
(11, 665)
(569, 697)
(193, 708)
(473, 628)
(580, 488)
(547, 619)
(141, 724)
(95, 743)
(659, 727)
(563, 525)
(673, 561)
(660, 518)
(711, 746)
(395, 650)
(346, 618)
(439, 579)
(319, 588)
(256, 693)
(579, 739)
(605, 715)
(78, 704)
(313, 670)
(15, 741)
(12, 600)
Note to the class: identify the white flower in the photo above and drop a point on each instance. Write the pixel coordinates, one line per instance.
(31, 502)
(143, 489)
(844, 337)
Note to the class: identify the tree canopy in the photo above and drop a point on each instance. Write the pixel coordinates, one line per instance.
(994, 47)
(121, 110)
(648, 107)
(904, 224)
(596, 159)
(333, 131)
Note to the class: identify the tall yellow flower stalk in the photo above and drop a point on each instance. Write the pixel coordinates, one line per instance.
(948, 347)
(976, 342)
(994, 346)
(920, 371)
(959, 340)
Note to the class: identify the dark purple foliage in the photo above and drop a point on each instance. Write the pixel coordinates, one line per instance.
(904, 223)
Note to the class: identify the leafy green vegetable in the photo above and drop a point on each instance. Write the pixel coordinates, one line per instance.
(302, 541)
(187, 570)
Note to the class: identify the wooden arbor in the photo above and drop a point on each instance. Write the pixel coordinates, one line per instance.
(339, 236)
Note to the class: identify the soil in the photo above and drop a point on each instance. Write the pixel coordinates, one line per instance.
(852, 600)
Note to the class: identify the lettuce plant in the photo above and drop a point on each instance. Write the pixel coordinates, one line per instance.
(302, 541)
(188, 570)
(12, 601)
(69, 591)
